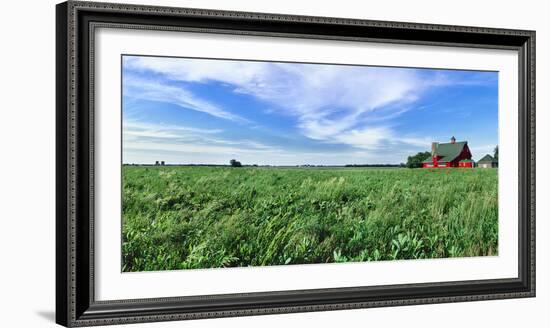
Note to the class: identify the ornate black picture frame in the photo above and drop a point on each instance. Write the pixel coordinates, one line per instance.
(75, 301)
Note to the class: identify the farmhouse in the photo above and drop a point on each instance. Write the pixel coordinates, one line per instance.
(452, 154)
(487, 161)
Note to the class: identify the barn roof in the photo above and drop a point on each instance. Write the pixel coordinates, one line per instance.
(466, 161)
(487, 159)
(447, 151)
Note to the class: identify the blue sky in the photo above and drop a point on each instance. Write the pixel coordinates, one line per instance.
(184, 110)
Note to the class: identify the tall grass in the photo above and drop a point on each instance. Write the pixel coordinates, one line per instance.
(207, 217)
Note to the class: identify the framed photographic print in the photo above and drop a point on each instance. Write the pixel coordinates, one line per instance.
(214, 163)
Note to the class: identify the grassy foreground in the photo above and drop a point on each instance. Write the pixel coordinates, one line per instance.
(208, 217)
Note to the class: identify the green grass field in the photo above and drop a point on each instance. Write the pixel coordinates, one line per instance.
(209, 217)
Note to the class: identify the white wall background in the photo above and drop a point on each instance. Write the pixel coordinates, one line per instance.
(27, 162)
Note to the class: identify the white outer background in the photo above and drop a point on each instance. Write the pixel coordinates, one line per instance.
(27, 162)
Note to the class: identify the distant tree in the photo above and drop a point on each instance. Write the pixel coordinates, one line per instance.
(496, 153)
(235, 163)
(416, 160)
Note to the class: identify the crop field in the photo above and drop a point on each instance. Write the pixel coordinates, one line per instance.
(211, 217)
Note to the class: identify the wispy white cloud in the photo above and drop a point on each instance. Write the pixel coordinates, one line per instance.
(369, 138)
(332, 103)
(178, 153)
(133, 130)
(376, 137)
(162, 92)
(443, 78)
(164, 137)
(147, 142)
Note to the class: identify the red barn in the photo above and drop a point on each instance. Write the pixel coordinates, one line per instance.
(452, 154)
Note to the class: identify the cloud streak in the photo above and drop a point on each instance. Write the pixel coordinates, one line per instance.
(163, 137)
(162, 92)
